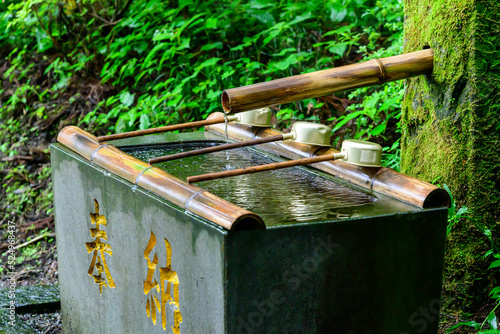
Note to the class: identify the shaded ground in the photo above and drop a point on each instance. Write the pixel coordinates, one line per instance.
(25, 174)
(26, 188)
(45, 323)
(36, 261)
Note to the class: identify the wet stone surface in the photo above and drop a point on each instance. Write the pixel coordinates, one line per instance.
(36, 311)
(32, 298)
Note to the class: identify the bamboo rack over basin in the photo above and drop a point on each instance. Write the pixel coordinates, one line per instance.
(140, 173)
(380, 179)
(321, 83)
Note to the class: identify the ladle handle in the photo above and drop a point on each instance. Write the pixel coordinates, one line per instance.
(262, 168)
(160, 129)
(215, 149)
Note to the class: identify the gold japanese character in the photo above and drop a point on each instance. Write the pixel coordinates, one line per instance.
(99, 248)
(169, 284)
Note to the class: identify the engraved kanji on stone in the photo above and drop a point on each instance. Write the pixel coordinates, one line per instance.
(168, 288)
(98, 266)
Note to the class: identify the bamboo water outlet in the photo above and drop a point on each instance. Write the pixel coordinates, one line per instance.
(356, 152)
(302, 132)
(321, 83)
(258, 117)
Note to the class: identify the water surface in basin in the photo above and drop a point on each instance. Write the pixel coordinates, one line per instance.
(288, 195)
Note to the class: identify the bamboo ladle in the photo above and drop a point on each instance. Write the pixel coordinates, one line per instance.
(302, 132)
(258, 117)
(356, 152)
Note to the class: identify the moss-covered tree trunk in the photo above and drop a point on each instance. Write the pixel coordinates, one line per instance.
(451, 130)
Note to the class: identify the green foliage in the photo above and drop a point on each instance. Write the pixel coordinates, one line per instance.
(20, 111)
(24, 194)
(455, 216)
(174, 60)
(491, 318)
(178, 71)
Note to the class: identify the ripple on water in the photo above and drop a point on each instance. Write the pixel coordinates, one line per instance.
(280, 196)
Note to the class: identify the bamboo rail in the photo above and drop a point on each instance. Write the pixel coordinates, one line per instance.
(321, 83)
(161, 129)
(263, 168)
(383, 180)
(215, 149)
(159, 182)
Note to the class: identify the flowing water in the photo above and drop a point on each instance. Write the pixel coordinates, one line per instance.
(281, 196)
(227, 139)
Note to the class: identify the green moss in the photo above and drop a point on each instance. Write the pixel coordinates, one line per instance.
(451, 129)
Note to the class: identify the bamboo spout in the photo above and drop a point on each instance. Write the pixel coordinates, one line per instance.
(321, 83)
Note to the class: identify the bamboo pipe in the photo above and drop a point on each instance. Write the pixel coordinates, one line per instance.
(321, 83)
(196, 124)
(220, 148)
(263, 168)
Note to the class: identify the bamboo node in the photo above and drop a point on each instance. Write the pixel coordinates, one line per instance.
(95, 151)
(383, 73)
